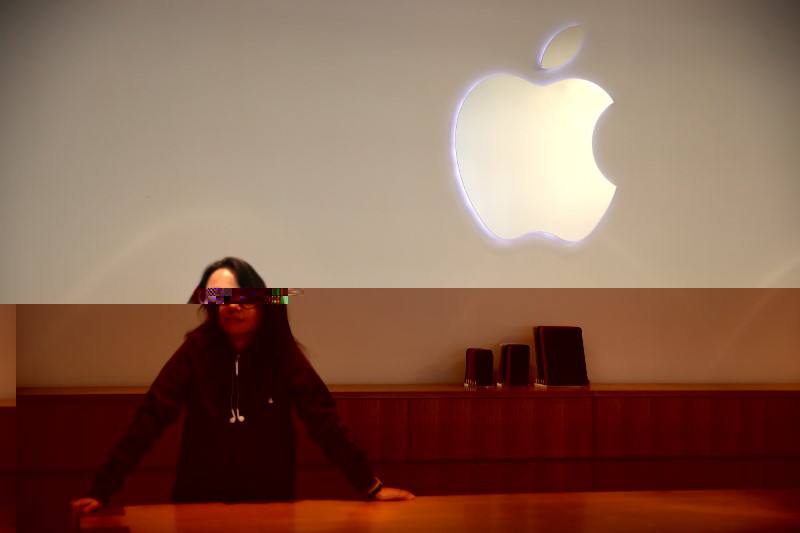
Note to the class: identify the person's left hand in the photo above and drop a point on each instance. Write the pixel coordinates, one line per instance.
(388, 494)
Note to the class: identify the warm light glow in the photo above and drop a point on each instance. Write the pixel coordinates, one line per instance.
(524, 156)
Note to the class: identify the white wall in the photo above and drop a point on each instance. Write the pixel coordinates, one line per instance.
(8, 352)
(379, 336)
(140, 141)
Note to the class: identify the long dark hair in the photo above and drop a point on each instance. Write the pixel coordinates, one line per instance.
(273, 325)
(273, 331)
(246, 276)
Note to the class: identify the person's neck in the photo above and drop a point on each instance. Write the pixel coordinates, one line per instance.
(240, 342)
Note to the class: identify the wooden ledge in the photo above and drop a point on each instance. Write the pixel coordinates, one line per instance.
(399, 391)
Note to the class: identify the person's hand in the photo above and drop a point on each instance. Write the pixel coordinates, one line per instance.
(388, 494)
(84, 506)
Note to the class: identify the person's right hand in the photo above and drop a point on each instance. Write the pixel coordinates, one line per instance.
(84, 506)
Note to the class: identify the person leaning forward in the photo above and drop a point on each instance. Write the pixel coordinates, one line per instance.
(238, 376)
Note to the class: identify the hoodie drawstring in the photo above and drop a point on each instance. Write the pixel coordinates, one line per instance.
(236, 416)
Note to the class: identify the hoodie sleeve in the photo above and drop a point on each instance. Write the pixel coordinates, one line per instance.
(317, 410)
(161, 408)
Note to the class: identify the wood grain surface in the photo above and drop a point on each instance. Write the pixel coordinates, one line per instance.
(617, 512)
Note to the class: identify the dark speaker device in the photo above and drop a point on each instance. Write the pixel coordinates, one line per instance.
(480, 368)
(560, 360)
(515, 361)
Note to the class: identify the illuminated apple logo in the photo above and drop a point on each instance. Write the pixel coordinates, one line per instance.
(524, 151)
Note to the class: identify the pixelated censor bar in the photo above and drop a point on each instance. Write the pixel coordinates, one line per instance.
(274, 296)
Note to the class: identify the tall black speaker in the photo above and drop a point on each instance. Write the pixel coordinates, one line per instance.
(480, 368)
(515, 360)
(560, 359)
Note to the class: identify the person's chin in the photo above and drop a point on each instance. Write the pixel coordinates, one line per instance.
(236, 329)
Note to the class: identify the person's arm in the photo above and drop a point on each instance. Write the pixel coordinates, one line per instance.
(317, 410)
(161, 408)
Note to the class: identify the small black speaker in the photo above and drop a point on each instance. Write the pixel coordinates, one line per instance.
(515, 362)
(560, 359)
(480, 368)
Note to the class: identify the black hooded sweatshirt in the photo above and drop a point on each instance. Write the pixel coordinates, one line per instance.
(252, 460)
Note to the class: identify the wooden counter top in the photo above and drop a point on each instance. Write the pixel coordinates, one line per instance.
(617, 512)
(459, 391)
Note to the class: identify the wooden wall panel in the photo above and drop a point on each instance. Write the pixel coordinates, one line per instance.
(783, 473)
(679, 426)
(8, 453)
(509, 428)
(498, 477)
(446, 443)
(85, 428)
(680, 474)
(8, 438)
(8, 488)
(323, 482)
(8, 518)
(379, 426)
(43, 500)
(326, 482)
(783, 426)
(92, 425)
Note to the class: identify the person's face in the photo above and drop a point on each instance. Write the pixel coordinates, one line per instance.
(235, 319)
(238, 320)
